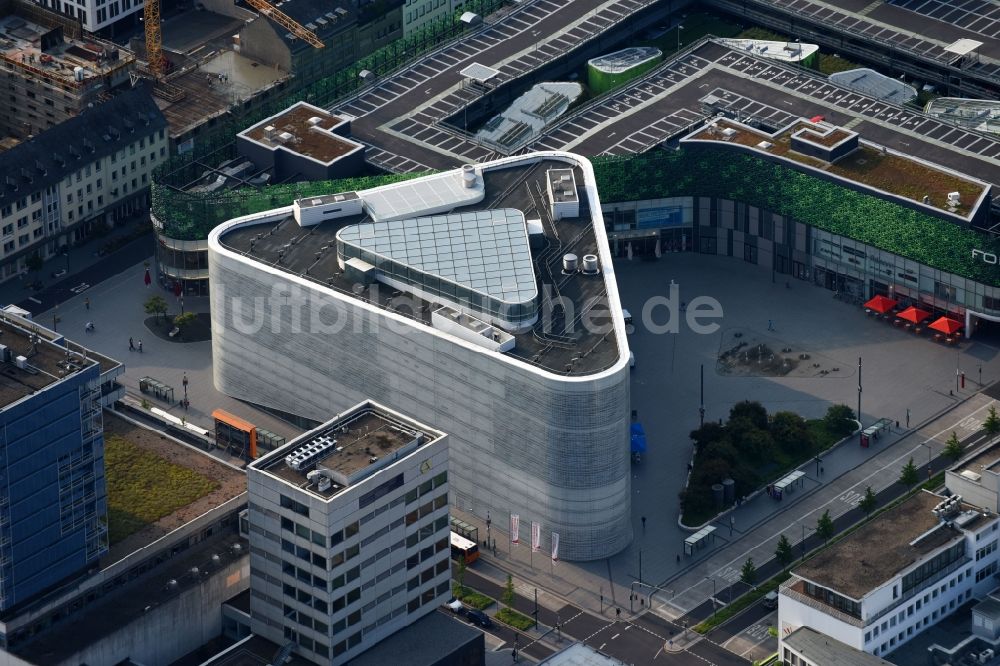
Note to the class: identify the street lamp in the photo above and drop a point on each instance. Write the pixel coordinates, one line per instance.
(679, 28)
(713, 593)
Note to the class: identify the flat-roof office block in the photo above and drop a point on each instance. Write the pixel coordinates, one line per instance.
(53, 499)
(349, 533)
(524, 364)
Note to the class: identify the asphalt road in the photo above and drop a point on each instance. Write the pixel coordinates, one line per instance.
(51, 295)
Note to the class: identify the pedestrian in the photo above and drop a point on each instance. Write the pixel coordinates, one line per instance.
(678, 559)
(86, 302)
(131, 344)
(644, 524)
(140, 345)
(770, 325)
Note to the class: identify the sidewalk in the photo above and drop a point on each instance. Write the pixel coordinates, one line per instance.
(846, 472)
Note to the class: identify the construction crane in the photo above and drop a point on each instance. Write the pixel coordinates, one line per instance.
(285, 21)
(154, 38)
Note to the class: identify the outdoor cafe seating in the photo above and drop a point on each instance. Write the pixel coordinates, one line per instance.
(912, 318)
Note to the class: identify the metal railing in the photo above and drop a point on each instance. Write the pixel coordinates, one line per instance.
(812, 602)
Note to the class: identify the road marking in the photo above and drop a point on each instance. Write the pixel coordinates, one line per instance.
(615, 636)
(602, 646)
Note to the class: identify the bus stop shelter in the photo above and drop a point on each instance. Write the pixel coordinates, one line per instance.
(787, 484)
(699, 539)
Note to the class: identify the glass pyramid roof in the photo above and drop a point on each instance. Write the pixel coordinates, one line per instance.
(485, 251)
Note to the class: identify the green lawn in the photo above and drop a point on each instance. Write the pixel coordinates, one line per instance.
(514, 619)
(470, 597)
(143, 487)
(831, 64)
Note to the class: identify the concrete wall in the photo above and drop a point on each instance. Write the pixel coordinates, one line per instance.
(259, 41)
(169, 631)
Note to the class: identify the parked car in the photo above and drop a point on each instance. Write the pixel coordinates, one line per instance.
(456, 607)
(480, 619)
(771, 600)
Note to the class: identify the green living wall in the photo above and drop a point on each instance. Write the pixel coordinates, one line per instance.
(188, 216)
(601, 81)
(729, 174)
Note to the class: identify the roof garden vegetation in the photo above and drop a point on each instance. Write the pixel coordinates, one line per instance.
(721, 172)
(144, 487)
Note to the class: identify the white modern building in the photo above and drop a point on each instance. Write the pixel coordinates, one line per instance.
(894, 577)
(977, 479)
(469, 299)
(349, 533)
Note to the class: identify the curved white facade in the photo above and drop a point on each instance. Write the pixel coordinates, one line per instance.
(549, 447)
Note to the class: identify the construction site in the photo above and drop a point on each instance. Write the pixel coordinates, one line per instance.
(54, 70)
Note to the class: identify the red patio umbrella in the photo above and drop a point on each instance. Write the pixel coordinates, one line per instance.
(946, 325)
(880, 304)
(916, 315)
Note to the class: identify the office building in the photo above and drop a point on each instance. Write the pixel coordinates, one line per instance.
(807, 647)
(888, 581)
(349, 533)
(53, 502)
(53, 70)
(481, 299)
(977, 479)
(89, 171)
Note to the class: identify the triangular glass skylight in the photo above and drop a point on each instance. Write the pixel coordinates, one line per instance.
(484, 251)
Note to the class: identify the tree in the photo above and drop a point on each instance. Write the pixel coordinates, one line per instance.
(156, 305)
(783, 553)
(508, 592)
(790, 432)
(953, 447)
(992, 423)
(751, 411)
(748, 574)
(868, 502)
(34, 262)
(839, 420)
(909, 476)
(824, 526)
(184, 319)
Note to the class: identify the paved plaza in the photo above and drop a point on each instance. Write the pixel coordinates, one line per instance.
(900, 372)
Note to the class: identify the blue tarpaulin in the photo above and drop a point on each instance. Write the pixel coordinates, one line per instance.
(638, 438)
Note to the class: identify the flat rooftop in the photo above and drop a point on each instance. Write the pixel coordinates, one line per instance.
(868, 165)
(580, 654)
(361, 439)
(821, 649)
(555, 343)
(47, 362)
(117, 609)
(620, 61)
(312, 138)
(987, 459)
(853, 568)
(21, 41)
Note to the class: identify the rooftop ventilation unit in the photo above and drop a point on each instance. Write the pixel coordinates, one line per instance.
(284, 137)
(954, 198)
(468, 176)
(315, 120)
(569, 263)
(21, 362)
(306, 454)
(269, 132)
(590, 264)
(5, 353)
(728, 132)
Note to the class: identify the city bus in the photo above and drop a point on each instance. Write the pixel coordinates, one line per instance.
(462, 547)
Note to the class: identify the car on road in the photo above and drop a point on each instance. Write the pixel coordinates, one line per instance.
(771, 600)
(479, 618)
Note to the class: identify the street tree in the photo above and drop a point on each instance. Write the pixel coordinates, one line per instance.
(868, 502)
(824, 526)
(992, 423)
(184, 320)
(507, 597)
(909, 476)
(155, 305)
(783, 553)
(748, 573)
(953, 447)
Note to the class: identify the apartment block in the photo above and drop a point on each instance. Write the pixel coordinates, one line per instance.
(90, 170)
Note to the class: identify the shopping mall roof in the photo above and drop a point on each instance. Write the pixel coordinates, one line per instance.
(570, 340)
(485, 251)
